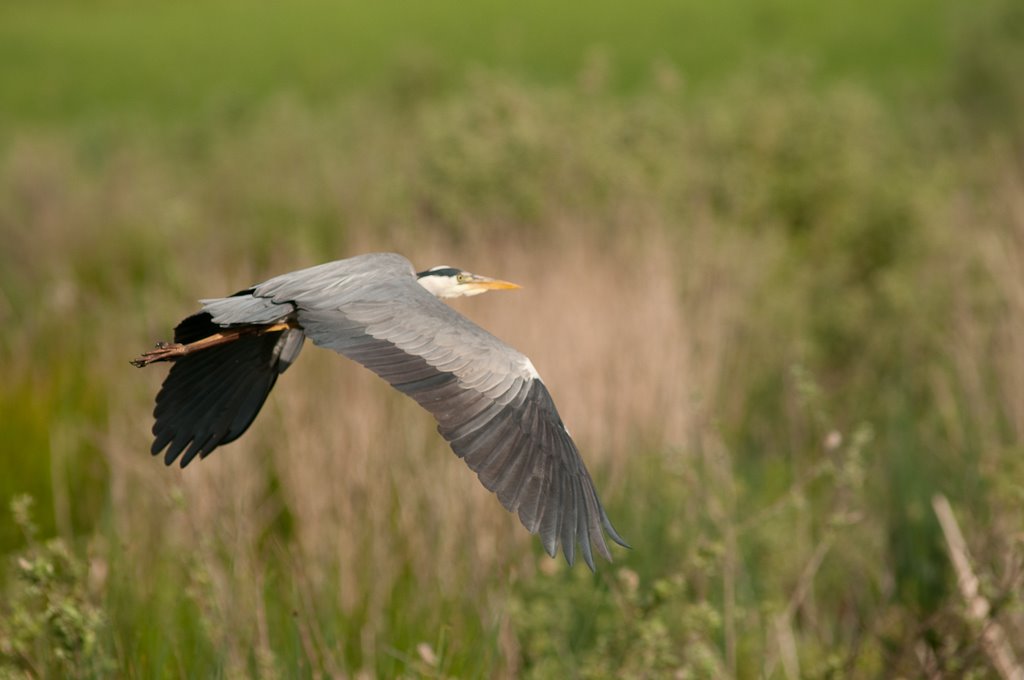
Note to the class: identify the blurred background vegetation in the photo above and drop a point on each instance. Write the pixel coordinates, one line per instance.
(773, 257)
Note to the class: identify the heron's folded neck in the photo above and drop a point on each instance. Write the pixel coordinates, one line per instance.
(442, 286)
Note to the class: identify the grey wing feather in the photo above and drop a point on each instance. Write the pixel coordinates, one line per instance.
(243, 308)
(490, 404)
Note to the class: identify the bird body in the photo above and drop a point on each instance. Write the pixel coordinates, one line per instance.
(489, 401)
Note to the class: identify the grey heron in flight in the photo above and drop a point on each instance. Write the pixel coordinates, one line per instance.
(487, 398)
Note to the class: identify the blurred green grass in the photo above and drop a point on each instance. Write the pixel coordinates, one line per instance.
(787, 311)
(63, 61)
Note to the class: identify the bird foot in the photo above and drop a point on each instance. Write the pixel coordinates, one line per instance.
(164, 352)
(167, 351)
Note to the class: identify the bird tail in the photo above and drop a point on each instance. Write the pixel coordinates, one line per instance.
(212, 395)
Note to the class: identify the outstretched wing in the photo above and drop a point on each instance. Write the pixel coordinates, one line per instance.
(489, 402)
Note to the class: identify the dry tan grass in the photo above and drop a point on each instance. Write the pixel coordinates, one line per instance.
(1005, 258)
(986, 350)
(632, 335)
(651, 330)
(631, 338)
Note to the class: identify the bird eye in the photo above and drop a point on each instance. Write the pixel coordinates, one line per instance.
(462, 278)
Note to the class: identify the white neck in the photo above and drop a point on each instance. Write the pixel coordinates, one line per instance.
(441, 286)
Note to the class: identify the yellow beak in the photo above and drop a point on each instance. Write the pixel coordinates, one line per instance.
(487, 283)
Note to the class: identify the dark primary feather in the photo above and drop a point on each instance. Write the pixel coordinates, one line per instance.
(211, 397)
(489, 404)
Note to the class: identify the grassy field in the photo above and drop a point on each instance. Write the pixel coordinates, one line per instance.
(773, 268)
(62, 61)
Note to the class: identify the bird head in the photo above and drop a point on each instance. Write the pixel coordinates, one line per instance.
(449, 282)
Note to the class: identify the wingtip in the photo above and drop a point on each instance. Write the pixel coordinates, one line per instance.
(569, 550)
(569, 553)
(612, 533)
(618, 539)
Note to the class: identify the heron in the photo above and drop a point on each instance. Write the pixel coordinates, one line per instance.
(490, 404)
